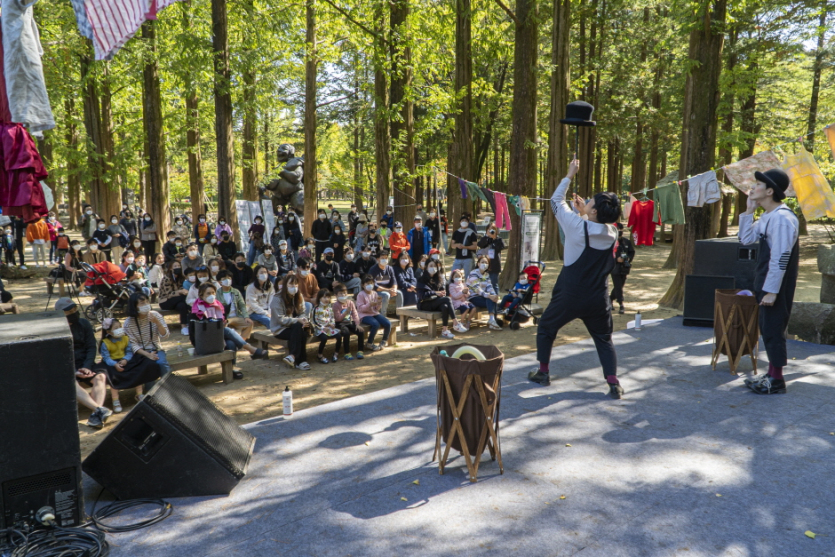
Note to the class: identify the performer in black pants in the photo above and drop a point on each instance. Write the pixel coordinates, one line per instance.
(775, 278)
(582, 289)
(624, 254)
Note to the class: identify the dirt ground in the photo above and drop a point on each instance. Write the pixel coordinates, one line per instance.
(258, 395)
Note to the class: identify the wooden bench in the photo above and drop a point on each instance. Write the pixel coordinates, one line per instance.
(51, 282)
(407, 312)
(263, 338)
(202, 363)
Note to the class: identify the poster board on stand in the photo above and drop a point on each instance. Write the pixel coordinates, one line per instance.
(531, 237)
(247, 211)
(242, 207)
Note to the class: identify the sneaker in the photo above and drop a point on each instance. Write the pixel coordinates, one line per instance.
(94, 420)
(360, 355)
(621, 310)
(237, 374)
(260, 354)
(23, 267)
(335, 358)
(493, 325)
(348, 357)
(459, 328)
(104, 413)
(303, 366)
(537, 376)
(324, 360)
(769, 386)
(383, 344)
(184, 331)
(373, 347)
(756, 379)
(447, 334)
(117, 406)
(290, 360)
(615, 391)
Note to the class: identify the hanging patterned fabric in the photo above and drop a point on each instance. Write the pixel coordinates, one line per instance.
(741, 173)
(814, 194)
(81, 19)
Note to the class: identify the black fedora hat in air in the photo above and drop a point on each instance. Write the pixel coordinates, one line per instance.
(579, 113)
(776, 179)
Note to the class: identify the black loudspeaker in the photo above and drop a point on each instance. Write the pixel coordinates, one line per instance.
(40, 459)
(726, 257)
(699, 296)
(175, 443)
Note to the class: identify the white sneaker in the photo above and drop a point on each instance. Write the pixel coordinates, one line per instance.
(447, 334)
(290, 360)
(493, 325)
(117, 406)
(23, 267)
(184, 331)
(459, 328)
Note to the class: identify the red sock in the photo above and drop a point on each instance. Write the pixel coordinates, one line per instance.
(543, 367)
(612, 380)
(775, 372)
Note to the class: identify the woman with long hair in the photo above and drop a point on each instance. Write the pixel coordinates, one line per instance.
(172, 294)
(288, 321)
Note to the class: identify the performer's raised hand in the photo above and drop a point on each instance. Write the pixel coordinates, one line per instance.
(752, 205)
(573, 168)
(579, 203)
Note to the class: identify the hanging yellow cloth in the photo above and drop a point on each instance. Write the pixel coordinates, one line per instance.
(815, 196)
(830, 136)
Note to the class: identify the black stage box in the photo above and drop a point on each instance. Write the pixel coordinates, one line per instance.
(726, 257)
(175, 443)
(40, 459)
(699, 298)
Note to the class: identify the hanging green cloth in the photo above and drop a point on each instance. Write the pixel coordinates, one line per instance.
(668, 204)
(514, 201)
(475, 192)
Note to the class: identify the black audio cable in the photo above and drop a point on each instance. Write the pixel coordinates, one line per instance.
(62, 542)
(98, 517)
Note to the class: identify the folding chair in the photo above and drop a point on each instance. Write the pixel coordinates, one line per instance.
(735, 320)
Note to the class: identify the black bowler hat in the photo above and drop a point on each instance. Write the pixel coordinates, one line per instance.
(776, 179)
(579, 113)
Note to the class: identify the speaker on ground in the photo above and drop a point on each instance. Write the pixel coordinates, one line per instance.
(699, 295)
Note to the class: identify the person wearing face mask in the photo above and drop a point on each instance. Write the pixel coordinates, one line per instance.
(308, 250)
(308, 285)
(581, 290)
(37, 234)
(360, 232)
(327, 270)
(432, 297)
(388, 218)
(210, 306)
(227, 248)
(234, 304)
(384, 233)
(337, 243)
(459, 293)
(321, 229)
(148, 234)
(324, 324)
(269, 262)
(241, 273)
(289, 321)
(406, 281)
(419, 241)
(93, 255)
(128, 259)
(210, 250)
(347, 321)
(482, 293)
(433, 225)
(173, 291)
(365, 262)
(385, 283)
(202, 232)
(419, 212)
(353, 219)
(7, 244)
(202, 276)
(135, 245)
(88, 222)
(259, 295)
(336, 219)
(398, 242)
(369, 308)
(286, 259)
(146, 330)
(56, 231)
(104, 239)
(84, 358)
(116, 355)
(277, 236)
(193, 259)
(464, 242)
(293, 231)
(173, 248)
(128, 222)
(181, 229)
(256, 234)
(222, 227)
(513, 298)
(120, 237)
(624, 254)
(156, 271)
(72, 265)
(491, 245)
(373, 241)
(350, 273)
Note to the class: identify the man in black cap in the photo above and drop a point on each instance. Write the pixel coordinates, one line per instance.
(582, 289)
(84, 353)
(775, 277)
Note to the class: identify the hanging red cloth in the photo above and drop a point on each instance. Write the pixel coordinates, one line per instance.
(21, 171)
(641, 222)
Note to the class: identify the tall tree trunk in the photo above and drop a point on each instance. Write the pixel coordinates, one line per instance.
(249, 148)
(523, 138)
(311, 170)
(92, 125)
(725, 152)
(223, 117)
(157, 203)
(402, 127)
(461, 153)
(382, 132)
(267, 144)
(111, 194)
(195, 157)
(71, 140)
(698, 149)
(557, 132)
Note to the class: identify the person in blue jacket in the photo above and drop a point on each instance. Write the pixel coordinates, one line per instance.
(420, 239)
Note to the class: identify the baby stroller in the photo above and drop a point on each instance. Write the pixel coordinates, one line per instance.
(523, 312)
(104, 283)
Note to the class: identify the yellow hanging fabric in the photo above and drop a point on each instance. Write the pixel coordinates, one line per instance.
(815, 196)
(830, 136)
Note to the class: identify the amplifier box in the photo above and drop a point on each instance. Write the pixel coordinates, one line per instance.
(699, 296)
(726, 257)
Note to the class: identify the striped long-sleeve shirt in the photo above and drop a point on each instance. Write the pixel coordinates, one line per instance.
(145, 335)
(781, 229)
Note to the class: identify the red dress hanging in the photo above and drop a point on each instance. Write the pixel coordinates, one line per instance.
(642, 223)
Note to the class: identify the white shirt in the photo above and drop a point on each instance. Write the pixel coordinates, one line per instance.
(781, 236)
(229, 298)
(601, 236)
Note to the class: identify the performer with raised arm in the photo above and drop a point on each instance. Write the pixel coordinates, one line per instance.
(582, 289)
(775, 278)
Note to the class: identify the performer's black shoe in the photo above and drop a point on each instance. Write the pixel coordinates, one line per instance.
(543, 379)
(615, 391)
(621, 310)
(755, 380)
(769, 386)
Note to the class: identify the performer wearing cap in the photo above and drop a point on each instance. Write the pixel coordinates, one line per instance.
(775, 277)
(582, 289)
